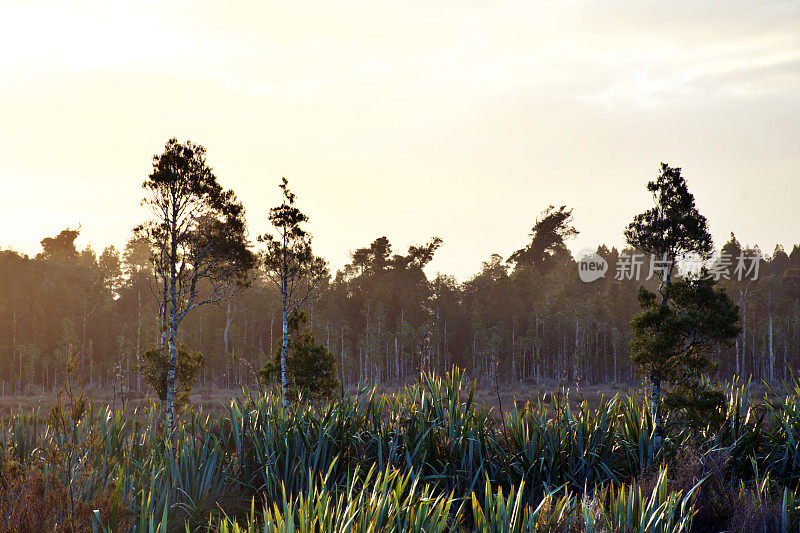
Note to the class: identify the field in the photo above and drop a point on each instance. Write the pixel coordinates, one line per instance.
(215, 398)
(435, 457)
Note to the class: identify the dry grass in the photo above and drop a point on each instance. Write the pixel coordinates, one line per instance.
(208, 399)
(34, 500)
(212, 398)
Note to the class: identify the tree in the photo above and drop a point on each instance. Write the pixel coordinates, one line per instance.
(291, 266)
(60, 247)
(675, 343)
(75, 283)
(137, 266)
(111, 267)
(552, 228)
(198, 235)
(669, 230)
(312, 366)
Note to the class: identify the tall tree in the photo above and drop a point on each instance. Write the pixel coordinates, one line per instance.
(291, 266)
(198, 235)
(669, 230)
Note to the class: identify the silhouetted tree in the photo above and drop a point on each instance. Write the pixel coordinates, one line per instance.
(671, 229)
(199, 240)
(291, 266)
(552, 228)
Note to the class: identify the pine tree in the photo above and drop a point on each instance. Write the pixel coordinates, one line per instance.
(670, 230)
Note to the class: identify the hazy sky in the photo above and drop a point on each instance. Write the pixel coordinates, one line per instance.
(459, 119)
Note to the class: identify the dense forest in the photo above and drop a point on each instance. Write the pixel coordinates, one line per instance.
(524, 318)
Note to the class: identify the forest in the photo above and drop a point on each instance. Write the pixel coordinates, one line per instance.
(382, 315)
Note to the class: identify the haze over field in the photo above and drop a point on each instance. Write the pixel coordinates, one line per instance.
(457, 119)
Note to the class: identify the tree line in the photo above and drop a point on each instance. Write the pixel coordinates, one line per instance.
(523, 318)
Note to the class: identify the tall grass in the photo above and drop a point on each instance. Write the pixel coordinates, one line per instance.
(429, 457)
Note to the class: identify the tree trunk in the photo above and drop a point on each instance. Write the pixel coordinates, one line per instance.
(14, 345)
(474, 343)
(614, 347)
(513, 360)
(138, 340)
(785, 350)
(743, 306)
(575, 367)
(771, 353)
(444, 343)
(172, 360)
(83, 345)
(655, 408)
(284, 349)
(655, 380)
(341, 354)
(228, 322)
(165, 314)
(271, 323)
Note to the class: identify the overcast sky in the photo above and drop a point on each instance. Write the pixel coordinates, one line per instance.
(459, 119)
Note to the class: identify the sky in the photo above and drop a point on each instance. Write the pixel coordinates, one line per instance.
(459, 119)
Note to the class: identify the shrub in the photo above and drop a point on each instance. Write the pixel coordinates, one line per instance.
(154, 370)
(311, 367)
